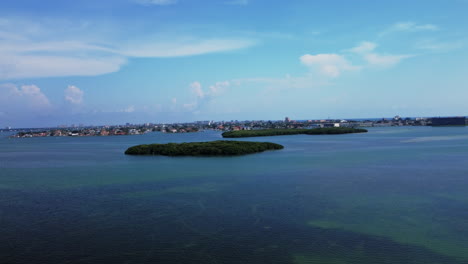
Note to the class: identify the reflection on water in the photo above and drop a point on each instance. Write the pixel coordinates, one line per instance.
(365, 198)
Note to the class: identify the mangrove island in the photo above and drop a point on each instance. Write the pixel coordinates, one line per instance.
(212, 148)
(287, 131)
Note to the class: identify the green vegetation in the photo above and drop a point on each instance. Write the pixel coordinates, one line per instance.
(213, 148)
(287, 131)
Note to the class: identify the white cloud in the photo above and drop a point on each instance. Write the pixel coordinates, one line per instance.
(183, 47)
(331, 65)
(409, 27)
(18, 65)
(55, 59)
(197, 89)
(237, 2)
(28, 46)
(44, 49)
(436, 46)
(218, 88)
(156, 2)
(213, 90)
(413, 27)
(22, 99)
(129, 109)
(384, 60)
(203, 97)
(174, 100)
(74, 95)
(33, 94)
(364, 47)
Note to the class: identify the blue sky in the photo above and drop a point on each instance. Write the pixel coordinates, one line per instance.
(136, 61)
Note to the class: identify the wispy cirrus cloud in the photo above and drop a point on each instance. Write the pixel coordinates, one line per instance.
(432, 45)
(384, 60)
(156, 2)
(183, 47)
(367, 51)
(34, 50)
(413, 27)
(364, 47)
(16, 66)
(238, 2)
(409, 26)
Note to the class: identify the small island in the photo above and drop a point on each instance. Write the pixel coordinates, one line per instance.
(287, 131)
(212, 148)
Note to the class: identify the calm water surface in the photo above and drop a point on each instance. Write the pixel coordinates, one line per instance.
(393, 195)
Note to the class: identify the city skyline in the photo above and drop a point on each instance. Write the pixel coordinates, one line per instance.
(138, 61)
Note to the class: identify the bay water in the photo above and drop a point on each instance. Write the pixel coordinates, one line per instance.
(392, 195)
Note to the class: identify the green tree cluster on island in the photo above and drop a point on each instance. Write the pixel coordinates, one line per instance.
(288, 131)
(212, 148)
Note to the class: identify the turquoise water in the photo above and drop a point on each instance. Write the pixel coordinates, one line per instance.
(393, 195)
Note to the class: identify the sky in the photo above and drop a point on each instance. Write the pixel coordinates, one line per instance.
(105, 62)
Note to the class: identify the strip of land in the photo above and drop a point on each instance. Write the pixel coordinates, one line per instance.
(212, 148)
(286, 131)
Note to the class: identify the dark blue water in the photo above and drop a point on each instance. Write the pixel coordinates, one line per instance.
(393, 195)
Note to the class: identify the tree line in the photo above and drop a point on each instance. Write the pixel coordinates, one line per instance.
(212, 148)
(287, 131)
